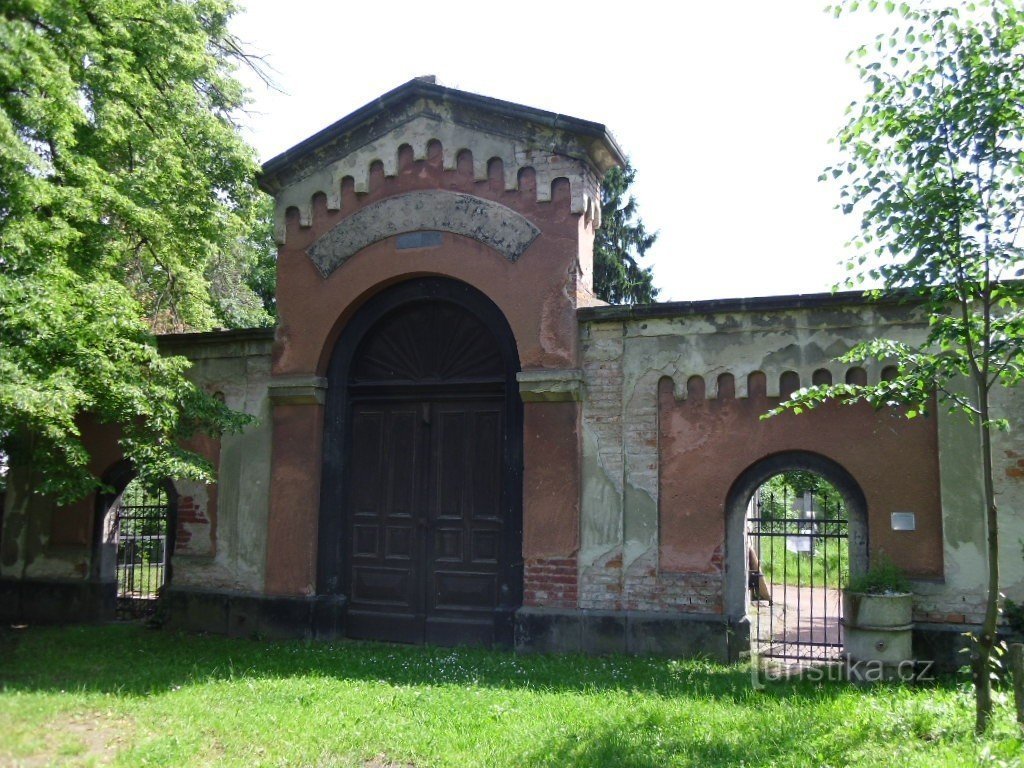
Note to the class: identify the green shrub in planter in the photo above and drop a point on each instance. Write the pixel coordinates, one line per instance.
(877, 614)
(882, 578)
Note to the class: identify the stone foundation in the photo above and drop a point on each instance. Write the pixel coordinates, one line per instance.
(255, 616)
(56, 602)
(547, 630)
(942, 644)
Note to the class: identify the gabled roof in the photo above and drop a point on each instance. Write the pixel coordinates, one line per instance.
(602, 149)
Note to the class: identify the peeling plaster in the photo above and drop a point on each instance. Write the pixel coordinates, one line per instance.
(640, 525)
(230, 552)
(601, 526)
(629, 357)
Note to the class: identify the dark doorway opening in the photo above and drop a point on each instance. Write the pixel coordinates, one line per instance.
(421, 522)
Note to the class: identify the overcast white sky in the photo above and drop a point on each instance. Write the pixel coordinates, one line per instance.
(724, 108)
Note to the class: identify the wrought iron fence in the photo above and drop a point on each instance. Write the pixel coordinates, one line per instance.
(141, 523)
(798, 564)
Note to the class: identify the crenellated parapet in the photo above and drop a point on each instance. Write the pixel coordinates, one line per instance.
(760, 347)
(467, 128)
(743, 382)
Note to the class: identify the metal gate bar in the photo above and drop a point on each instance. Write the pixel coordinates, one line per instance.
(798, 566)
(141, 522)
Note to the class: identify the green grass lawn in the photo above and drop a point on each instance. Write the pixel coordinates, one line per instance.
(125, 695)
(143, 580)
(780, 566)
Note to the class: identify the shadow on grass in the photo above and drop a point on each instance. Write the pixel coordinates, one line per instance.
(130, 659)
(643, 745)
(649, 741)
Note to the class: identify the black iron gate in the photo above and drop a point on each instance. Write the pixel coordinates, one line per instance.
(798, 563)
(142, 520)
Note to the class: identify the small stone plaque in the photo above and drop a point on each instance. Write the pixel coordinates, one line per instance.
(418, 240)
(904, 521)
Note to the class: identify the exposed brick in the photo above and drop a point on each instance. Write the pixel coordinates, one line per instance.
(551, 582)
(189, 515)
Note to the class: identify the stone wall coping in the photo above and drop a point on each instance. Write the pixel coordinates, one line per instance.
(298, 390)
(218, 345)
(549, 374)
(215, 337)
(551, 385)
(669, 309)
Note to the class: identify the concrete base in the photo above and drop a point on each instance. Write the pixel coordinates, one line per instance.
(547, 630)
(56, 602)
(887, 645)
(236, 614)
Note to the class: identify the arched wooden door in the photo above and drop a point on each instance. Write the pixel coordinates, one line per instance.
(424, 493)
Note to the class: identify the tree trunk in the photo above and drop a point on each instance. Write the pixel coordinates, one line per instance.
(986, 640)
(1017, 670)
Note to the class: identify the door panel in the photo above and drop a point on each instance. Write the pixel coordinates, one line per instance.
(426, 546)
(485, 459)
(465, 505)
(386, 580)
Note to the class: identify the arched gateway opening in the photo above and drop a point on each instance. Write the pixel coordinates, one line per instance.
(797, 530)
(421, 520)
(134, 541)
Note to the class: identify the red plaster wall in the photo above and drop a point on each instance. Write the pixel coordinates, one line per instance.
(188, 512)
(537, 294)
(294, 499)
(551, 503)
(705, 445)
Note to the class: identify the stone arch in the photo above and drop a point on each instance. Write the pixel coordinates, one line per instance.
(493, 224)
(736, 512)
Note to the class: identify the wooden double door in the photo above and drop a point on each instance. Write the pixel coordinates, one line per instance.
(428, 555)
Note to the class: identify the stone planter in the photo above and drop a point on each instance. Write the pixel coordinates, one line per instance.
(877, 633)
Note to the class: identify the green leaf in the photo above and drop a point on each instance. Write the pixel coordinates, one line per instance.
(129, 208)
